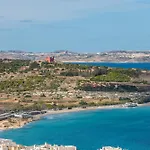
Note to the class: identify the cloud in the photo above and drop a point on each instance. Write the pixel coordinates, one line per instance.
(47, 11)
(26, 21)
(52, 10)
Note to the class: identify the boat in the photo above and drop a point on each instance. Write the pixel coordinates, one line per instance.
(130, 105)
(110, 148)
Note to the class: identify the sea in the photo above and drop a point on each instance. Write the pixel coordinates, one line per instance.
(144, 66)
(128, 128)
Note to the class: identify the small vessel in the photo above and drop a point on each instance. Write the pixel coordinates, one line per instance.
(111, 148)
(130, 105)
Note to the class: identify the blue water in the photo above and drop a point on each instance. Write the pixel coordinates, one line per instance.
(145, 66)
(89, 130)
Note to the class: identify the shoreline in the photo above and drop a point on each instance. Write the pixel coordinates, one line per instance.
(19, 123)
(78, 109)
(122, 62)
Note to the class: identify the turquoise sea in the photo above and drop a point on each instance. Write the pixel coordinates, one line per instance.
(89, 130)
(145, 66)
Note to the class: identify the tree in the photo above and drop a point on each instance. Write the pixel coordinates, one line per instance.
(100, 71)
(82, 103)
(34, 65)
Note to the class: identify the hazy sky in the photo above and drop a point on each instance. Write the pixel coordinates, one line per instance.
(77, 25)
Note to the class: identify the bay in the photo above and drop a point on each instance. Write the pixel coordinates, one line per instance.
(89, 130)
(145, 66)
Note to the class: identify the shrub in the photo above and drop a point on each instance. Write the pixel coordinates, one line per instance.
(144, 100)
(42, 95)
(34, 65)
(112, 77)
(69, 73)
(82, 103)
(27, 96)
(124, 99)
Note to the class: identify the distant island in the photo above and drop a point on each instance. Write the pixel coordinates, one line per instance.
(29, 87)
(69, 56)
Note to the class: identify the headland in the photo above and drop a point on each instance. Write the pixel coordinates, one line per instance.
(28, 86)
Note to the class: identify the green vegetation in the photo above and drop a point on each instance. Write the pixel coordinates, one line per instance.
(27, 84)
(106, 103)
(112, 77)
(7, 66)
(24, 81)
(125, 99)
(69, 73)
(109, 88)
(144, 100)
(83, 103)
(34, 65)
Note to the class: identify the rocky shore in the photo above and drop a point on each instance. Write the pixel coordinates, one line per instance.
(10, 145)
(6, 144)
(13, 123)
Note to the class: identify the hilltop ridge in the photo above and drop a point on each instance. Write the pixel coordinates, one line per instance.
(70, 56)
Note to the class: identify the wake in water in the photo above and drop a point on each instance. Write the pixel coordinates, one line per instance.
(56, 116)
(49, 117)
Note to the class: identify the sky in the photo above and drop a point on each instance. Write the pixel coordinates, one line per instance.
(76, 25)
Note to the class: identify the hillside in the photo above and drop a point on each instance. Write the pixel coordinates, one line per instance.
(30, 85)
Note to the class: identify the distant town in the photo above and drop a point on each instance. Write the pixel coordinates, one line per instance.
(69, 56)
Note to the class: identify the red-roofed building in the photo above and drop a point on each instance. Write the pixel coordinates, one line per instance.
(50, 59)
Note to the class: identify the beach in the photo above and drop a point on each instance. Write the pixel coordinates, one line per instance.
(14, 123)
(78, 109)
(113, 126)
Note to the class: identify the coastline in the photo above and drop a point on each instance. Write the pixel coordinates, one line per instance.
(123, 62)
(15, 123)
(78, 109)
